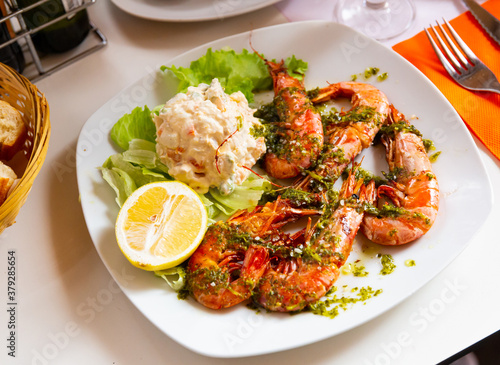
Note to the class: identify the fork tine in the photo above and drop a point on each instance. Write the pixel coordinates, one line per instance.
(455, 49)
(445, 61)
(468, 52)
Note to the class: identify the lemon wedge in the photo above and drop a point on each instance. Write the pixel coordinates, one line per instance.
(160, 225)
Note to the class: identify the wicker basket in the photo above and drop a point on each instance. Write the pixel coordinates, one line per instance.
(25, 97)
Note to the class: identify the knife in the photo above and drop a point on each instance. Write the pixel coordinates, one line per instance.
(485, 19)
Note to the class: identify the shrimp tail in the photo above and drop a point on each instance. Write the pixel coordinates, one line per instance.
(392, 193)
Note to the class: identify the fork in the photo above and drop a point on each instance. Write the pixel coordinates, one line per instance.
(467, 70)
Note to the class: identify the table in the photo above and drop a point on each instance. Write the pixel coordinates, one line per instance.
(71, 312)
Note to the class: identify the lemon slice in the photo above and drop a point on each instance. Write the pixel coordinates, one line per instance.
(160, 225)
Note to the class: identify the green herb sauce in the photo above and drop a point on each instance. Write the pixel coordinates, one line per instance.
(281, 141)
(354, 269)
(422, 217)
(366, 175)
(410, 263)
(329, 306)
(388, 265)
(399, 127)
(313, 93)
(359, 114)
(382, 76)
(428, 144)
(371, 71)
(434, 156)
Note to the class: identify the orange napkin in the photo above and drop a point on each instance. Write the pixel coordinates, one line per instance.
(479, 110)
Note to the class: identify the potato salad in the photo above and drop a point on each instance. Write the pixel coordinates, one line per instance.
(207, 138)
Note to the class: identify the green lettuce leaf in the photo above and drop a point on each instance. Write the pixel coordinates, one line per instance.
(296, 68)
(137, 124)
(120, 181)
(175, 277)
(245, 71)
(244, 196)
(213, 212)
(137, 166)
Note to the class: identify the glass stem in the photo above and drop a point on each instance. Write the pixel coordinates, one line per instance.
(375, 4)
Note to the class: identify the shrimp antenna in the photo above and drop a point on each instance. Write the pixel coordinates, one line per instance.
(263, 177)
(276, 66)
(253, 49)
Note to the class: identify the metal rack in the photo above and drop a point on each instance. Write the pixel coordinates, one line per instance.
(23, 37)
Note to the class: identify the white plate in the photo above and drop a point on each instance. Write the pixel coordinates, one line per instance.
(190, 10)
(334, 52)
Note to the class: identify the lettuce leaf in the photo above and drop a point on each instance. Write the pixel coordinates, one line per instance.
(138, 124)
(245, 71)
(137, 166)
(175, 277)
(120, 181)
(244, 196)
(296, 68)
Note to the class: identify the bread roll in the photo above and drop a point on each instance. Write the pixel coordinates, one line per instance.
(12, 131)
(7, 178)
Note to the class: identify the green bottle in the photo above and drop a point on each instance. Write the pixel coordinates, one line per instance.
(61, 36)
(12, 54)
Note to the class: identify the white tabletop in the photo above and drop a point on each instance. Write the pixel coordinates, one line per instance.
(69, 310)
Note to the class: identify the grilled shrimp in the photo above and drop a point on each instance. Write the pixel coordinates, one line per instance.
(291, 283)
(229, 262)
(299, 128)
(355, 131)
(413, 190)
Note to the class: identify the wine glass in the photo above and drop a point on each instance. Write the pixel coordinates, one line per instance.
(379, 19)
